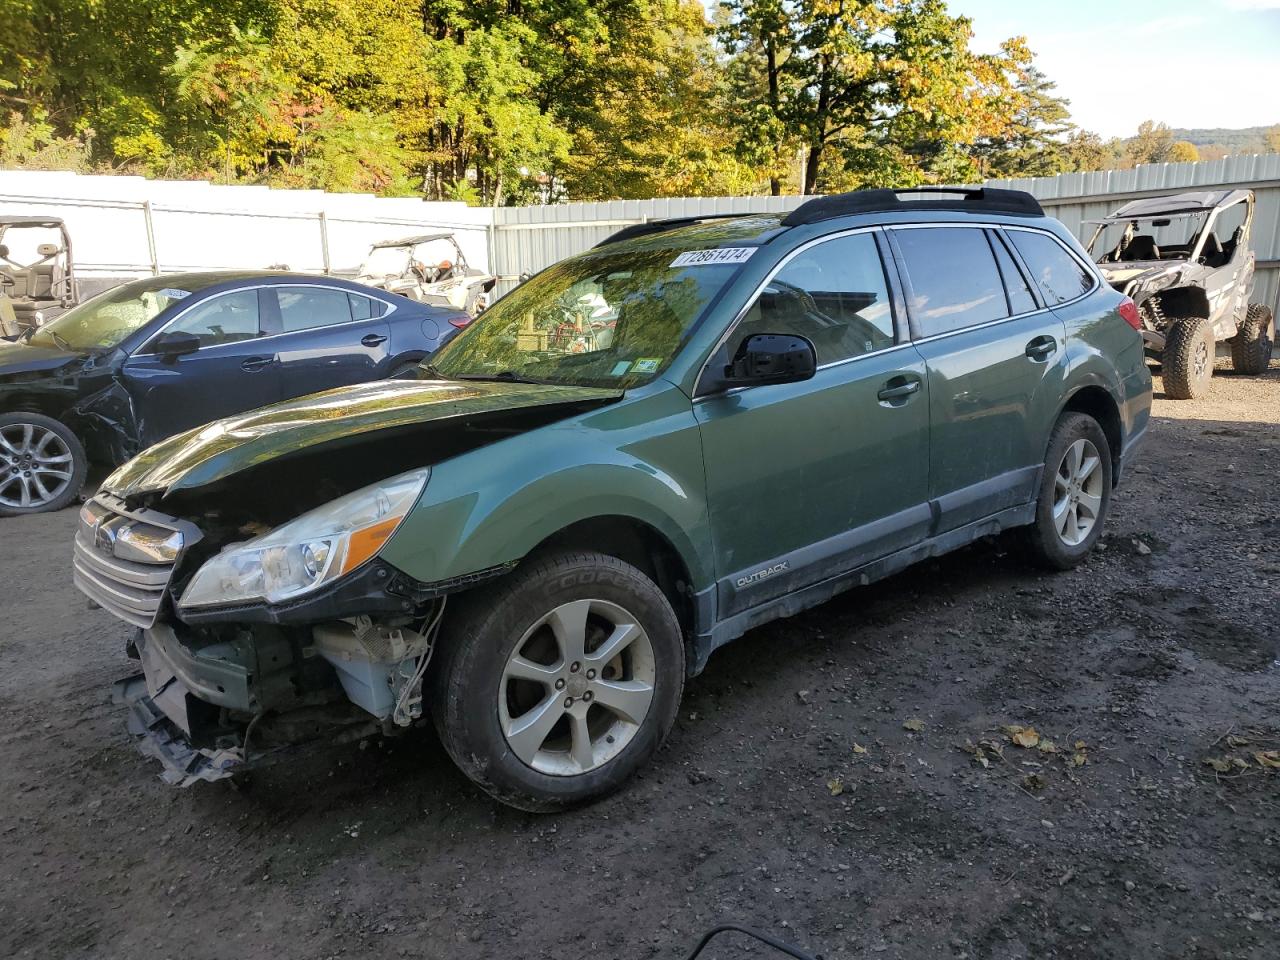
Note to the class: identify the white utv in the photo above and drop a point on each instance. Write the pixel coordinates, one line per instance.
(1185, 261)
(430, 269)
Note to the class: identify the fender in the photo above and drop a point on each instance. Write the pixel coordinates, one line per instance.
(492, 505)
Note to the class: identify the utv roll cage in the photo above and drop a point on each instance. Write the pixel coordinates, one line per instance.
(45, 283)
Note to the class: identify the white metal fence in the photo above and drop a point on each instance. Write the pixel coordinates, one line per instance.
(127, 226)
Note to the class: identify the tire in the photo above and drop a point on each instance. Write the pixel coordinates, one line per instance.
(1187, 361)
(1084, 490)
(480, 690)
(1252, 344)
(41, 461)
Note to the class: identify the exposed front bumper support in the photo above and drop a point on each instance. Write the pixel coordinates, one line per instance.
(159, 737)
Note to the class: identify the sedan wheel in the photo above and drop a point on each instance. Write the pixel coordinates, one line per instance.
(40, 465)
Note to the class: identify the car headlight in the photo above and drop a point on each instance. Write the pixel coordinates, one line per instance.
(306, 553)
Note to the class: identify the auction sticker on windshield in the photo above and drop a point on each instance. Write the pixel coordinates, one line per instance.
(173, 293)
(706, 258)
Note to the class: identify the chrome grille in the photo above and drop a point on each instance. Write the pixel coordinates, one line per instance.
(124, 559)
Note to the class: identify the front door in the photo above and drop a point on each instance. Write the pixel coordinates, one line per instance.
(233, 371)
(808, 480)
(327, 337)
(996, 361)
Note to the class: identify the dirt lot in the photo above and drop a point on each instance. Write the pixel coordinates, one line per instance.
(792, 794)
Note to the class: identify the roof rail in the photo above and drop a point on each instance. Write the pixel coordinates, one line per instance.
(972, 199)
(661, 226)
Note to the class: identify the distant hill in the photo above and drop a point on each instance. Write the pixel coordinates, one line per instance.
(1243, 140)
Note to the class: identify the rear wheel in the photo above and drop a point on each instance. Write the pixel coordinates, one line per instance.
(557, 685)
(1075, 493)
(1187, 361)
(42, 464)
(1251, 346)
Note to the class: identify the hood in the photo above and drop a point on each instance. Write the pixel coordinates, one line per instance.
(223, 447)
(19, 360)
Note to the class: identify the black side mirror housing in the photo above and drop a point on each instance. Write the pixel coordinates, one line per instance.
(765, 358)
(171, 346)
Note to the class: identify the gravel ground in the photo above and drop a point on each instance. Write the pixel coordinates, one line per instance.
(794, 793)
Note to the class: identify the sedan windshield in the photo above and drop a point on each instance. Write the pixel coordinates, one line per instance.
(104, 321)
(603, 319)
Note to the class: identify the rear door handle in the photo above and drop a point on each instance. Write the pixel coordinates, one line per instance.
(897, 391)
(1041, 348)
(253, 364)
(373, 339)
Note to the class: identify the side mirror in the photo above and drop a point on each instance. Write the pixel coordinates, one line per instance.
(765, 358)
(171, 346)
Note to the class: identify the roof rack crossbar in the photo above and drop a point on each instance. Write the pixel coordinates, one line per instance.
(972, 199)
(662, 226)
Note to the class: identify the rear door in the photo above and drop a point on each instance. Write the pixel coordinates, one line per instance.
(996, 363)
(327, 337)
(234, 370)
(808, 480)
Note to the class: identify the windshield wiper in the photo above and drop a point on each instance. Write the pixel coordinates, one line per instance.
(59, 340)
(503, 376)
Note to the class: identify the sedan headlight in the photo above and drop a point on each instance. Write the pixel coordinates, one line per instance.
(310, 551)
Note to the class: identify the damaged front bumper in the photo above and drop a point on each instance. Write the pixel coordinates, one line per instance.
(209, 713)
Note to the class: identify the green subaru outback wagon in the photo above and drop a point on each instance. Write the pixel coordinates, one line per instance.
(636, 456)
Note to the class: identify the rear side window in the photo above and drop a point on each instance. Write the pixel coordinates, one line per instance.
(834, 293)
(365, 308)
(304, 308)
(1020, 298)
(953, 278)
(1058, 274)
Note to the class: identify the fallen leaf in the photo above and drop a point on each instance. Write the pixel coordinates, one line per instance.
(1033, 781)
(915, 725)
(1025, 737)
(859, 748)
(1240, 763)
(1222, 766)
(836, 786)
(1236, 741)
(1079, 744)
(1079, 759)
(1048, 746)
(1269, 759)
(982, 760)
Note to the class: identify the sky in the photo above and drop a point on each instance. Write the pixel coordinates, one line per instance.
(1187, 63)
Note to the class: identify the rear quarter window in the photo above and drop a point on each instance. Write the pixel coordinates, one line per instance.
(1057, 273)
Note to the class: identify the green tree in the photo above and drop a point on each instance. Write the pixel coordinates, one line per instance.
(1035, 141)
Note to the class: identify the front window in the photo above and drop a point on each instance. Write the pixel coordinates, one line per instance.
(603, 319)
(107, 319)
(1147, 239)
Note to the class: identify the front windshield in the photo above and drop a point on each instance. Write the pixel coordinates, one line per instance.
(386, 262)
(1170, 237)
(104, 321)
(603, 319)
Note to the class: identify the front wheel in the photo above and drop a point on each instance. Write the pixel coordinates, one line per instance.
(42, 464)
(1075, 493)
(558, 684)
(1251, 346)
(1187, 361)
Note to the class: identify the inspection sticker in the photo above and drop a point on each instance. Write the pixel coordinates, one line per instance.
(620, 368)
(646, 365)
(173, 293)
(708, 258)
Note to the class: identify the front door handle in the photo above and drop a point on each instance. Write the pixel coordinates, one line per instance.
(254, 364)
(1041, 348)
(373, 339)
(897, 391)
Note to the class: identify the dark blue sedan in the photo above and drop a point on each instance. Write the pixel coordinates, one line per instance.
(154, 357)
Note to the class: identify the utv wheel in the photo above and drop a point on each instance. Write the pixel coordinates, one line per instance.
(1252, 344)
(1075, 493)
(42, 464)
(557, 685)
(1187, 362)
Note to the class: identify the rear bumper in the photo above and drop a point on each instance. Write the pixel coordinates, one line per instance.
(1132, 447)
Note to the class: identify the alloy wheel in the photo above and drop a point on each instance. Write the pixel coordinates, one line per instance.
(1201, 361)
(1077, 492)
(576, 688)
(36, 465)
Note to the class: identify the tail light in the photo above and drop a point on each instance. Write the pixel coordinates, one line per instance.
(1129, 311)
(464, 321)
